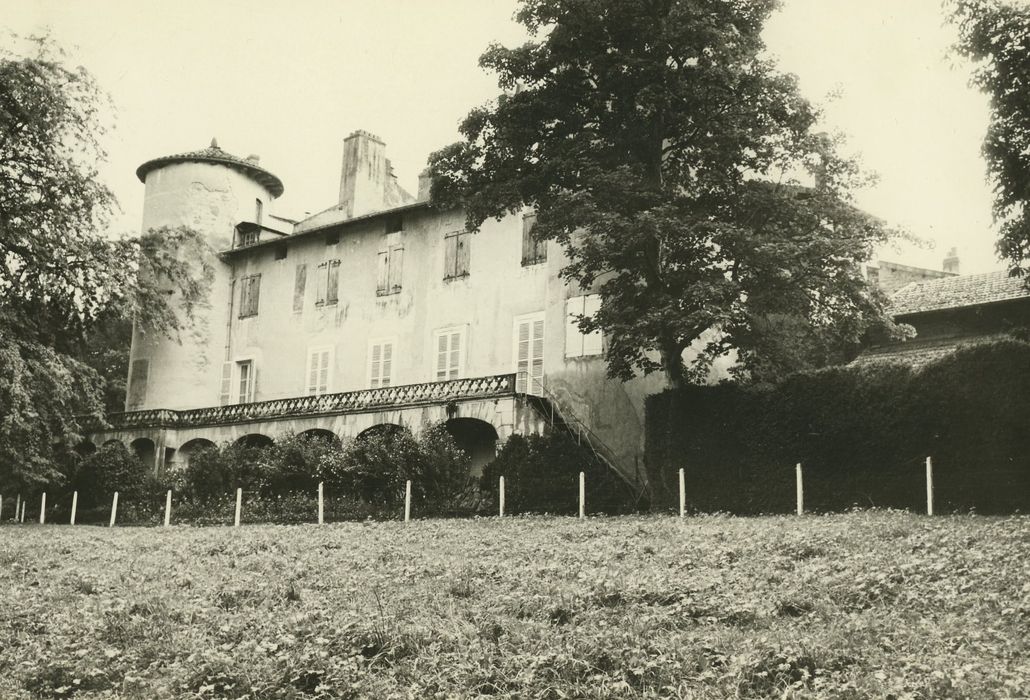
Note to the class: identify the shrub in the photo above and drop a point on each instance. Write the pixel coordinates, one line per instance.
(109, 469)
(541, 475)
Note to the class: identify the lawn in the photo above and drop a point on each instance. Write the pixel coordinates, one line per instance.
(863, 604)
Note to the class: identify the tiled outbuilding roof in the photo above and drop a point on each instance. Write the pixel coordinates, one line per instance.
(956, 292)
(214, 154)
(918, 353)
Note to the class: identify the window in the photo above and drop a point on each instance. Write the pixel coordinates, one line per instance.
(225, 394)
(259, 209)
(380, 363)
(280, 251)
(137, 394)
(456, 254)
(328, 283)
(250, 289)
(332, 238)
(245, 374)
(394, 224)
(450, 353)
(533, 251)
(249, 238)
(299, 280)
(577, 343)
(319, 361)
(529, 353)
(390, 264)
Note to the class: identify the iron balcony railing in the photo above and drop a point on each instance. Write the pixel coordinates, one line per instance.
(327, 404)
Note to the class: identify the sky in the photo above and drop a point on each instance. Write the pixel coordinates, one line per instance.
(288, 81)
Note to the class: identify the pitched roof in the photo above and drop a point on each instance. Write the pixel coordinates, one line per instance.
(919, 353)
(956, 292)
(214, 154)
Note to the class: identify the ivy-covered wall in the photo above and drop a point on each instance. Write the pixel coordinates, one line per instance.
(861, 433)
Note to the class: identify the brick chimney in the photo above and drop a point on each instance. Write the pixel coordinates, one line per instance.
(951, 261)
(367, 182)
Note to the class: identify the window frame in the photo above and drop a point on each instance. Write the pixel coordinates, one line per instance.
(457, 237)
(314, 350)
(534, 252)
(462, 331)
(572, 327)
(369, 378)
(530, 318)
(247, 296)
(237, 378)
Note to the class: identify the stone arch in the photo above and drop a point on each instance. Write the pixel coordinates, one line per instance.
(188, 449)
(255, 440)
(381, 429)
(85, 448)
(477, 438)
(322, 434)
(112, 441)
(145, 450)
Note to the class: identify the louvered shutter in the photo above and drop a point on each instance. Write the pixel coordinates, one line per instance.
(299, 281)
(332, 294)
(450, 255)
(441, 357)
(396, 265)
(320, 284)
(383, 272)
(375, 365)
(593, 341)
(522, 358)
(225, 392)
(387, 364)
(461, 265)
(312, 373)
(536, 358)
(323, 372)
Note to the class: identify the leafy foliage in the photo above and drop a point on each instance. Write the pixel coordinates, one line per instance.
(994, 34)
(67, 291)
(542, 476)
(861, 433)
(662, 150)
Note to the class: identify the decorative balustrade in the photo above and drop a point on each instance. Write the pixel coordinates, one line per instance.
(346, 402)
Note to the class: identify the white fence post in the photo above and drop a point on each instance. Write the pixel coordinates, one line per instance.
(114, 509)
(407, 501)
(1, 507)
(800, 490)
(683, 494)
(239, 507)
(17, 507)
(75, 506)
(582, 494)
(42, 509)
(321, 504)
(168, 508)
(929, 486)
(22, 518)
(500, 498)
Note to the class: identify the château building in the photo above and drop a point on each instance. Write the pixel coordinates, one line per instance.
(380, 310)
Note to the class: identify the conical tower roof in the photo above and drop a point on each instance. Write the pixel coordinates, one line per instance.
(214, 154)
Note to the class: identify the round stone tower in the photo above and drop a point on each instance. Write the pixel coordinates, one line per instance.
(211, 192)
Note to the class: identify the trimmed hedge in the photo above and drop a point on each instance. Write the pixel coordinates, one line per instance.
(862, 434)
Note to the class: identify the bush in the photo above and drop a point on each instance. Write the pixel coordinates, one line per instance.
(541, 475)
(862, 434)
(109, 469)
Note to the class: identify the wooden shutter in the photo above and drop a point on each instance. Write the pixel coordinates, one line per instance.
(450, 255)
(387, 366)
(529, 355)
(299, 280)
(593, 341)
(536, 358)
(396, 265)
(225, 392)
(320, 282)
(383, 272)
(573, 338)
(522, 358)
(375, 365)
(441, 357)
(461, 263)
(332, 294)
(454, 361)
(318, 371)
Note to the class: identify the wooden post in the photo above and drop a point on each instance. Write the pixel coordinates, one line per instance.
(582, 494)
(75, 506)
(1, 507)
(683, 495)
(42, 509)
(321, 504)
(407, 501)
(800, 490)
(17, 507)
(114, 509)
(239, 507)
(168, 508)
(22, 519)
(500, 497)
(929, 486)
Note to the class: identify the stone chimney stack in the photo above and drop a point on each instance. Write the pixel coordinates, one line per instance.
(367, 182)
(425, 183)
(951, 261)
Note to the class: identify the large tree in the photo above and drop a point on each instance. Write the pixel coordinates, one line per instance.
(67, 289)
(684, 177)
(995, 35)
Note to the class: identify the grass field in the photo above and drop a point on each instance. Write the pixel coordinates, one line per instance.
(857, 605)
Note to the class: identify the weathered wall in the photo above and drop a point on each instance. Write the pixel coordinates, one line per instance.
(211, 199)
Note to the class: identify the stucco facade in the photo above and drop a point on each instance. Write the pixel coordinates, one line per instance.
(367, 294)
